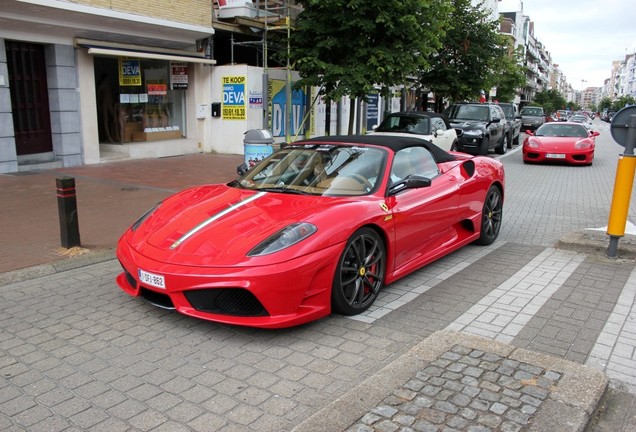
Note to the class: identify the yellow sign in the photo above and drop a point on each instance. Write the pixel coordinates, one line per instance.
(233, 98)
(129, 71)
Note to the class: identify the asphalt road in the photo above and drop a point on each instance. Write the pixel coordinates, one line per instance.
(78, 354)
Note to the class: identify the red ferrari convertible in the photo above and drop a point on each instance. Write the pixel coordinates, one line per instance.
(319, 226)
(567, 142)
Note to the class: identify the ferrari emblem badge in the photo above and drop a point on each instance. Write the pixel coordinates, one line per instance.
(362, 271)
(384, 207)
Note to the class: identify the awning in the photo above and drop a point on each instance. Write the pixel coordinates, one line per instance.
(149, 55)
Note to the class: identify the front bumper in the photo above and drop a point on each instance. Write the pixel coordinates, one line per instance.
(583, 157)
(274, 296)
(471, 144)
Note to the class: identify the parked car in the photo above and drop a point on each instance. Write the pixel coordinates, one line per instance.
(271, 249)
(583, 119)
(420, 124)
(608, 116)
(564, 142)
(513, 119)
(532, 117)
(562, 115)
(483, 126)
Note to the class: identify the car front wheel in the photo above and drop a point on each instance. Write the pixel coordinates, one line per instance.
(491, 216)
(360, 273)
(503, 145)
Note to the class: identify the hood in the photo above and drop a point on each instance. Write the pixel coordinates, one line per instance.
(219, 224)
(558, 143)
(468, 124)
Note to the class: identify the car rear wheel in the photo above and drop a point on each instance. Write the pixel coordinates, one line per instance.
(516, 140)
(491, 216)
(360, 273)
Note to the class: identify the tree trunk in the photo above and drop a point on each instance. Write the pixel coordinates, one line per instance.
(327, 117)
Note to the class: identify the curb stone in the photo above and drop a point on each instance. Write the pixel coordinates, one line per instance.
(569, 402)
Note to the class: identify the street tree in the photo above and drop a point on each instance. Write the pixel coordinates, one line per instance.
(622, 102)
(551, 100)
(471, 51)
(346, 47)
(509, 76)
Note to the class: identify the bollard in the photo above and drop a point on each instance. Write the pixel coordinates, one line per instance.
(67, 209)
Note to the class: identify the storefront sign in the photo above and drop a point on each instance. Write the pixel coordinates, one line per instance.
(372, 111)
(277, 117)
(233, 107)
(256, 100)
(178, 75)
(129, 72)
(156, 87)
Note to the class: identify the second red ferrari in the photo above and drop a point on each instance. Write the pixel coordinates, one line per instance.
(563, 142)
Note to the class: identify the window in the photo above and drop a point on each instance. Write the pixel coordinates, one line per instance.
(413, 160)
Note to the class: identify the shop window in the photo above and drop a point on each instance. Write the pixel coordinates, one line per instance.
(140, 100)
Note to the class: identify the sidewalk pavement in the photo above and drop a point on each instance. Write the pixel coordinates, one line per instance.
(451, 381)
(110, 197)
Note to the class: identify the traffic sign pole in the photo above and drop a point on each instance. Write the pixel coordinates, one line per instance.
(624, 133)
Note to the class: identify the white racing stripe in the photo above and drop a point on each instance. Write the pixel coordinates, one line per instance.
(217, 216)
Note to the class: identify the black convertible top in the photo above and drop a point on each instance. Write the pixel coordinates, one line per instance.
(394, 143)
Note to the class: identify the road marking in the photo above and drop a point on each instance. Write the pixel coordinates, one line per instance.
(502, 313)
(615, 350)
(404, 290)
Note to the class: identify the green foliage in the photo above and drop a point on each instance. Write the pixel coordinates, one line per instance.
(605, 103)
(509, 76)
(622, 102)
(551, 101)
(348, 46)
(471, 55)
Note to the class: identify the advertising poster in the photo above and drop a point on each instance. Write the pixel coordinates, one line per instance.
(372, 111)
(129, 71)
(178, 75)
(277, 116)
(233, 106)
(256, 100)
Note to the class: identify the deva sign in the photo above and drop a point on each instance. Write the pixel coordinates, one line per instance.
(233, 97)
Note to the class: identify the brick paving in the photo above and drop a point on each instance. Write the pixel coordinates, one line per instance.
(78, 354)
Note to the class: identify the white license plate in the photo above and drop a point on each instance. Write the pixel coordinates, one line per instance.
(555, 156)
(152, 279)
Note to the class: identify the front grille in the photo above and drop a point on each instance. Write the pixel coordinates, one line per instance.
(578, 157)
(226, 301)
(533, 155)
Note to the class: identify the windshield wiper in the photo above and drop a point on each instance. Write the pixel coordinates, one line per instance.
(284, 189)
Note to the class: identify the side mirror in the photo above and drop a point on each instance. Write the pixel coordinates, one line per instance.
(460, 132)
(594, 133)
(529, 132)
(414, 181)
(242, 169)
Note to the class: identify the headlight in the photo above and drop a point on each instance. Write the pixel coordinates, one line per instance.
(582, 145)
(532, 144)
(144, 217)
(473, 133)
(284, 238)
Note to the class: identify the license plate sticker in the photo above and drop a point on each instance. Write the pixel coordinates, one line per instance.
(155, 280)
(555, 155)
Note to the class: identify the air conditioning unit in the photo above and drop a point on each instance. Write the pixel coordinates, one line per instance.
(236, 8)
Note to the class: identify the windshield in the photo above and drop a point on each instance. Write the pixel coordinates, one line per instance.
(537, 112)
(508, 110)
(469, 112)
(561, 130)
(406, 124)
(318, 170)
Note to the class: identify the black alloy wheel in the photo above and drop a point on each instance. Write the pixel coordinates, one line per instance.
(360, 273)
(491, 216)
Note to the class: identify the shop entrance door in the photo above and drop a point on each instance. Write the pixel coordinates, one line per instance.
(29, 97)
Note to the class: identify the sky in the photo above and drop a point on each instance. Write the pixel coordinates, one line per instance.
(583, 36)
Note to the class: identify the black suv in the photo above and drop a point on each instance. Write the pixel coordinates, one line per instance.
(484, 126)
(513, 119)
